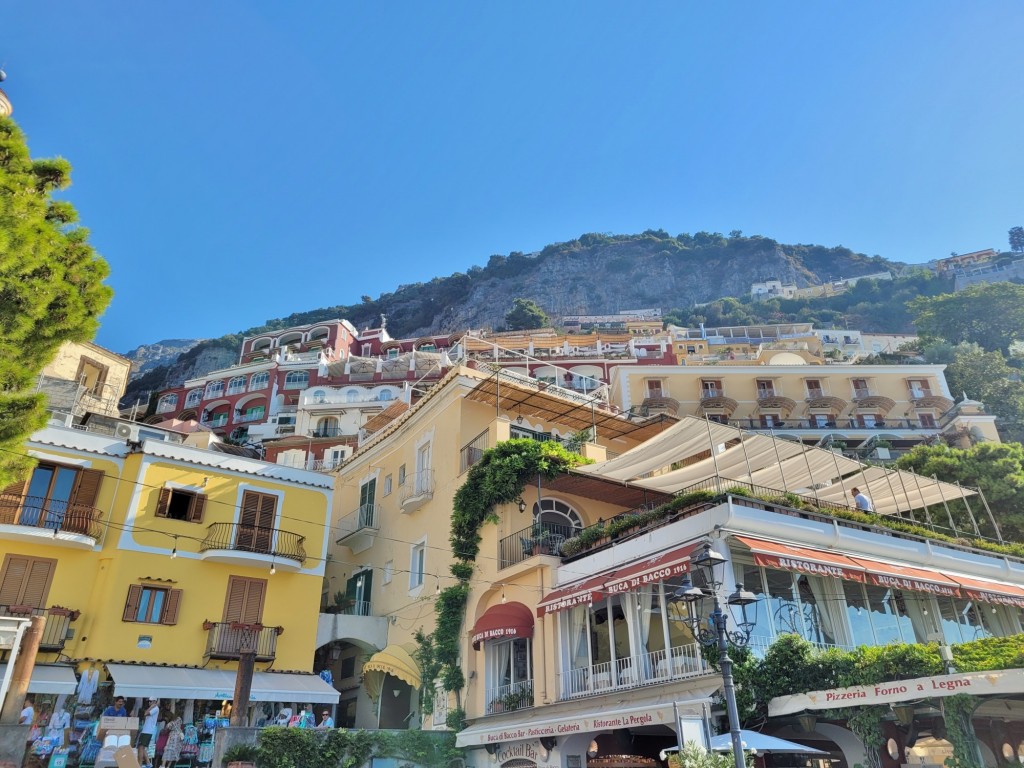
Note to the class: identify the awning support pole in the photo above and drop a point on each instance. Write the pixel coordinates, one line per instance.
(927, 512)
(892, 490)
(778, 458)
(714, 456)
(970, 512)
(944, 504)
(746, 459)
(810, 472)
(991, 517)
(910, 508)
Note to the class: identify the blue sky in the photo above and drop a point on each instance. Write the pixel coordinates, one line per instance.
(238, 161)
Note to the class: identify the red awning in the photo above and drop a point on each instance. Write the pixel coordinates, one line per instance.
(787, 557)
(907, 577)
(625, 578)
(657, 568)
(502, 622)
(581, 592)
(991, 591)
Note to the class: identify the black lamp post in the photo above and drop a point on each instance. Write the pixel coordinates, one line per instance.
(716, 629)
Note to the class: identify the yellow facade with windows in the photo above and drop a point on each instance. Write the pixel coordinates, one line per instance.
(160, 553)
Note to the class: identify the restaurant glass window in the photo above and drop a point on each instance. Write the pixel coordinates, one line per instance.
(858, 613)
(751, 578)
(820, 621)
(783, 605)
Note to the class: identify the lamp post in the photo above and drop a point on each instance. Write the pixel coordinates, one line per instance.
(716, 630)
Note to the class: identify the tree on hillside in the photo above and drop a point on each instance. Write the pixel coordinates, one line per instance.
(984, 376)
(51, 287)
(525, 315)
(1017, 239)
(989, 314)
(996, 468)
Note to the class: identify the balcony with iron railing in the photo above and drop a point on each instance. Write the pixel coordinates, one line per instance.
(242, 544)
(653, 668)
(358, 529)
(249, 417)
(58, 623)
(473, 451)
(228, 640)
(220, 420)
(417, 490)
(30, 518)
(538, 539)
(509, 698)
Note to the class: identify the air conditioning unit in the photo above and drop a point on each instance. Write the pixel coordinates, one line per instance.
(128, 432)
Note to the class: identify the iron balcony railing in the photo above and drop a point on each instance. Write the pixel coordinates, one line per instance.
(509, 698)
(633, 672)
(364, 518)
(417, 484)
(538, 539)
(473, 451)
(244, 418)
(828, 424)
(58, 622)
(228, 640)
(50, 514)
(240, 537)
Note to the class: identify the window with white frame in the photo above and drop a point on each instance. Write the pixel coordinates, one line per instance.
(214, 389)
(417, 564)
(167, 403)
(194, 398)
(236, 385)
(509, 674)
(387, 485)
(296, 380)
(259, 380)
(389, 572)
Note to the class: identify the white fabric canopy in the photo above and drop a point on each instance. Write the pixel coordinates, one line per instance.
(49, 678)
(188, 683)
(767, 461)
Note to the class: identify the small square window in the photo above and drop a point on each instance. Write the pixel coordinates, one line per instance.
(348, 668)
(387, 485)
(389, 571)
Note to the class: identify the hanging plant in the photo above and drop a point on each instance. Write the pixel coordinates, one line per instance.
(498, 478)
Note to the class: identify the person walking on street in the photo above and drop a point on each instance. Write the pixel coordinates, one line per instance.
(861, 501)
(147, 733)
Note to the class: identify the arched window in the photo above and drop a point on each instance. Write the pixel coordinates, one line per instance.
(326, 427)
(236, 385)
(214, 389)
(167, 403)
(393, 353)
(259, 380)
(193, 398)
(319, 396)
(556, 513)
(386, 394)
(431, 347)
(296, 380)
(352, 396)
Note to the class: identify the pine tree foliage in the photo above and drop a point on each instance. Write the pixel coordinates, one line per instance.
(51, 286)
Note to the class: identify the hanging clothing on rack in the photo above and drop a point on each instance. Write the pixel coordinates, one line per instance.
(87, 685)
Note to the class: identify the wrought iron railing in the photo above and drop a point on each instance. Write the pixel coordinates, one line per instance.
(418, 484)
(633, 672)
(228, 639)
(364, 518)
(473, 451)
(240, 537)
(50, 514)
(538, 539)
(509, 698)
(58, 622)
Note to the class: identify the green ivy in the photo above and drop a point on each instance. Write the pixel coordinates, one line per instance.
(499, 477)
(315, 748)
(957, 712)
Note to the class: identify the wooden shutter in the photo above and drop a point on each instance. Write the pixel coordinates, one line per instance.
(171, 603)
(15, 489)
(163, 502)
(244, 602)
(196, 508)
(131, 605)
(26, 580)
(87, 486)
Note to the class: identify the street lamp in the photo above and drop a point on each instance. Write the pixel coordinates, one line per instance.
(716, 630)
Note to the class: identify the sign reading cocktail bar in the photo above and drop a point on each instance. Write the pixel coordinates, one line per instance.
(976, 683)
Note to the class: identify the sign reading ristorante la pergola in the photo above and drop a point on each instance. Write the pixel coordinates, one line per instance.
(976, 683)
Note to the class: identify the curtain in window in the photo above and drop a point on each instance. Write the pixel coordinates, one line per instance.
(502, 665)
(918, 621)
(829, 612)
(580, 656)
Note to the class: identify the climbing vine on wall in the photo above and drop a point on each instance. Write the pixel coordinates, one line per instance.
(498, 478)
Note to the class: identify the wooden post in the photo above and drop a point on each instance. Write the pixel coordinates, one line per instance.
(22, 671)
(243, 678)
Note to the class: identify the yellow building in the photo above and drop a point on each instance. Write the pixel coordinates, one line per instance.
(155, 562)
(391, 524)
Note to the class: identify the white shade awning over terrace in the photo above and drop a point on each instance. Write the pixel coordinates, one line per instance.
(705, 452)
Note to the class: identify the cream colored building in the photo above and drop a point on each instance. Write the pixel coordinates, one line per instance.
(792, 393)
(85, 378)
(391, 525)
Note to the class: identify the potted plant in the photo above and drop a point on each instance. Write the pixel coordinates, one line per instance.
(241, 756)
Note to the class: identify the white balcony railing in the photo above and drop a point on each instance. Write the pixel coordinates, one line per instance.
(236, 390)
(509, 698)
(633, 671)
(244, 418)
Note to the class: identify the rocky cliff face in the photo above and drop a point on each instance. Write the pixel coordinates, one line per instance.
(149, 356)
(594, 274)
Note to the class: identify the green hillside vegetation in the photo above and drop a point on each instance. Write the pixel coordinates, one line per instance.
(870, 305)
